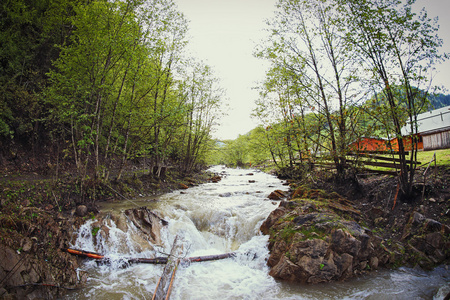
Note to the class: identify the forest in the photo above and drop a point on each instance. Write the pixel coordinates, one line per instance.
(101, 85)
(108, 85)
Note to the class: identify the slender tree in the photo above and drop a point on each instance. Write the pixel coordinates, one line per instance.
(305, 44)
(203, 95)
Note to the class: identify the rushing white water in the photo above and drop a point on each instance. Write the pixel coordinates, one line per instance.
(216, 218)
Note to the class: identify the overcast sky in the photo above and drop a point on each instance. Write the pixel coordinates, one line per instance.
(223, 33)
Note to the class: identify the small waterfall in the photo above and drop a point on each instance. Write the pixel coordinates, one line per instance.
(111, 240)
(216, 218)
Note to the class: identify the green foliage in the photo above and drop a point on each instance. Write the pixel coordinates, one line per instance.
(246, 150)
(235, 151)
(257, 147)
(95, 231)
(106, 81)
(312, 74)
(30, 32)
(202, 96)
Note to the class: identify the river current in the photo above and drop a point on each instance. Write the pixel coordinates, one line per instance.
(216, 218)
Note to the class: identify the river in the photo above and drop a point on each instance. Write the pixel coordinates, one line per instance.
(216, 218)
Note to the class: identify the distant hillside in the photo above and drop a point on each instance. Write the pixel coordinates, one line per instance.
(439, 101)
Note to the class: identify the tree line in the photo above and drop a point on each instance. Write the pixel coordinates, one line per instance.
(104, 83)
(341, 70)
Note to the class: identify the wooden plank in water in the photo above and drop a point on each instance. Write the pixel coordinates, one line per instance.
(164, 286)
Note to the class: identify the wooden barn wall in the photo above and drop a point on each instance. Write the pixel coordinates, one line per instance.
(440, 140)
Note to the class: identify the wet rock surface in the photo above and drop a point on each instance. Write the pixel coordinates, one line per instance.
(277, 195)
(148, 222)
(319, 237)
(40, 269)
(39, 216)
(32, 265)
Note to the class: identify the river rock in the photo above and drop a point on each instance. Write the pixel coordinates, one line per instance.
(215, 179)
(343, 242)
(277, 195)
(120, 221)
(272, 218)
(182, 186)
(23, 265)
(435, 239)
(317, 240)
(148, 222)
(373, 263)
(417, 218)
(433, 225)
(81, 211)
(27, 243)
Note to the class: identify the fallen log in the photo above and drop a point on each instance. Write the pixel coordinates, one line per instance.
(163, 260)
(156, 260)
(83, 253)
(125, 262)
(210, 257)
(164, 286)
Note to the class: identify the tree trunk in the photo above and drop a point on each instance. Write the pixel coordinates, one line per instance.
(164, 286)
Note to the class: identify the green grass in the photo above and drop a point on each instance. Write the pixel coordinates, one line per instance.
(442, 157)
(424, 158)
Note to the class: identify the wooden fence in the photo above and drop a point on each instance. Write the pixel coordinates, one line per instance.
(387, 160)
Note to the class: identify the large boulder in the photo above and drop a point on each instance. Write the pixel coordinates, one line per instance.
(315, 238)
(148, 222)
(81, 211)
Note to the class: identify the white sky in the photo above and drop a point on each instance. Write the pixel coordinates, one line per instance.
(223, 33)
